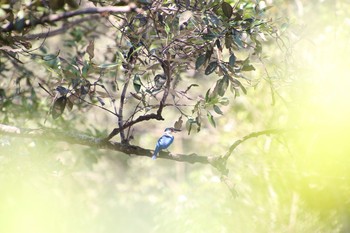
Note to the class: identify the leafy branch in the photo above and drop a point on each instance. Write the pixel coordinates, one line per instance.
(52, 18)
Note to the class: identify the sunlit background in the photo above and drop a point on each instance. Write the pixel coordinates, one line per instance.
(296, 182)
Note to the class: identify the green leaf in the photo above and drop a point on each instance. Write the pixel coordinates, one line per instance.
(58, 107)
(213, 20)
(207, 97)
(237, 38)
(222, 85)
(228, 40)
(189, 126)
(217, 110)
(235, 82)
(200, 61)
(227, 9)
(224, 101)
(208, 54)
(258, 47)
(232, 60)
(247, 67)
(211, 67)
(108, 66)
(85, 70)
(70, 104)
(208, 36)
(211, 119)
(167, 29)
(137, 83)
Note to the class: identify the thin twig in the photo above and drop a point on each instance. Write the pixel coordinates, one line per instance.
(59, 31)
(121, 108)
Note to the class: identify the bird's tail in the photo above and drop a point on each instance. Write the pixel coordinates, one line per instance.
(155, 153)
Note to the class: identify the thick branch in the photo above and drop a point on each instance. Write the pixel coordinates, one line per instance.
(82, 139)
(52, 18)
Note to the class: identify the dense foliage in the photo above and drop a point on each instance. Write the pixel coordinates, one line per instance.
(153, 52)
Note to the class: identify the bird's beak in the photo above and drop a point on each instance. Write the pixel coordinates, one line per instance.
(177, 130)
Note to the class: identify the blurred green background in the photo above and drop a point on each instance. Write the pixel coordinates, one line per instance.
(296, 182)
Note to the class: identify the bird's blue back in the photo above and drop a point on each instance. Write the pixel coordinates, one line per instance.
(165, 141)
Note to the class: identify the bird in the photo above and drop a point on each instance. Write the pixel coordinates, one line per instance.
(164, 141)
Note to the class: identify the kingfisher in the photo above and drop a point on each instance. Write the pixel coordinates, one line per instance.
(164, 141)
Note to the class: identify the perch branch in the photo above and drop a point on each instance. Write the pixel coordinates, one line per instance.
(83, 139)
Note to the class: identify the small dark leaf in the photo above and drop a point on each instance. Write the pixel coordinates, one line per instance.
(70, 104)
(200, 61)
(228, 40)
(207, 97)
(217, 110)
(232, 60)
(129, 56)
(227, 9)
(62, 90)
(211, 119)
(208, 36)
(218, 44)
(58, 107)
(208, 54)
(137, 83)
(237, 38)
(243, 89)
(101, 101)
(211, 67)
(222, 85)
(84, 89)
(189, 123)
(235, 82)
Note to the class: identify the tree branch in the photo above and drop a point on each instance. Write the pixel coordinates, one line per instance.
(61, 30)
(121, 109)
(249, 136)
(83, 139)
(52, 18)
(131, 123)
